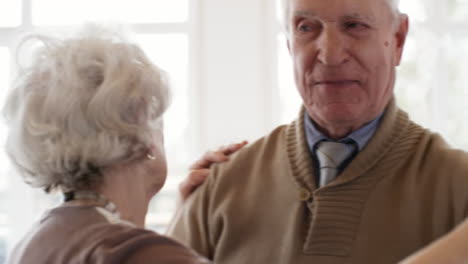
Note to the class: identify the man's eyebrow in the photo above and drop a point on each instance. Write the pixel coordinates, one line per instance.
(356, 16)
(303, 13)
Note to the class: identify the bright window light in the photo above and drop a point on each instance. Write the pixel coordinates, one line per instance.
(458, 10)
(10, 13)
(288, 94)
(59, 12)
(4, 84)
(170, 52)
(416, 8)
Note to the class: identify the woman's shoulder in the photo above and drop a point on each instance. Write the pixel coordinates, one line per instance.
(87, 235)
(132, 245)
(118, 241)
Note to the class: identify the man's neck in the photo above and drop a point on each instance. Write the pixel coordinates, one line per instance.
(361, 135)
(338, 131)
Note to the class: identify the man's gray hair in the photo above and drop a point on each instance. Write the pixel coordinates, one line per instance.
(285, 9)
(85, 103)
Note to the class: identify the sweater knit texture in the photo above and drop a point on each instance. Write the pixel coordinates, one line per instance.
(406, 188)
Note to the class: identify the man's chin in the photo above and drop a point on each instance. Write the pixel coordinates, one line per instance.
(342, 111)
(341, 117)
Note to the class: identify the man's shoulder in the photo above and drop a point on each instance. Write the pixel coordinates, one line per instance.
(437, 151)
(442, 148)
(269, 147)
(237, 182)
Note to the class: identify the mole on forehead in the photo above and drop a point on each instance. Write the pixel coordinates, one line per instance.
(310, 14)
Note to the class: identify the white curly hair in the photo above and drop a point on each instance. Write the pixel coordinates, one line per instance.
(86, 102)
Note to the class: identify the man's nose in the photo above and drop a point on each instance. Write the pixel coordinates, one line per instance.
(332, 48)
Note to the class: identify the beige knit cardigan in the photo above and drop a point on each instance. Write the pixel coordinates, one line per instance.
(406, 188)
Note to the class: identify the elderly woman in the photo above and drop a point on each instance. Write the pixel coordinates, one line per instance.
(85, 119)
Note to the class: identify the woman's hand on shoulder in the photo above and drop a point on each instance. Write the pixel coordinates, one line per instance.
(200, 170)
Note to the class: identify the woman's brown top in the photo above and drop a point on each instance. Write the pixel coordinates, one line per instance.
(89, 234)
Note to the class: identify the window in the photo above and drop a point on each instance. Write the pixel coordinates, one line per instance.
(432, 78)
(59, 13)
(4, 165)
(10, 13)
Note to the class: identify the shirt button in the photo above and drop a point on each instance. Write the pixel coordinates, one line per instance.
(304, 194)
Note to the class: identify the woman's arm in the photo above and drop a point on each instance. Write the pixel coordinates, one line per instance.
(449, 249)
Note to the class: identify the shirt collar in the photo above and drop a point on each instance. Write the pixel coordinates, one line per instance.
(360, 136)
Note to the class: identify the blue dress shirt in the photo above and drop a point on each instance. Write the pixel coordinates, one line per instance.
(357, 139)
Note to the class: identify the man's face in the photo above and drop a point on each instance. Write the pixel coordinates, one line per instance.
(344, 55)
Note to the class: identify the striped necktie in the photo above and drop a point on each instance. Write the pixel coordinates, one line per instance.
(330, 156)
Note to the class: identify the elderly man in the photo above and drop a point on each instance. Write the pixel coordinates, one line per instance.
(352, 180)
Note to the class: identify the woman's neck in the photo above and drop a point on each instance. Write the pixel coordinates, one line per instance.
(127, 190)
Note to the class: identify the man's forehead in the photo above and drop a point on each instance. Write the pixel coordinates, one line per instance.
(344, 15)
(338, 9)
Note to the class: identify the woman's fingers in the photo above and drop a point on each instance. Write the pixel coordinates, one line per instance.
(229, 149)
(218, 156)
(192, 181)
(200, 170)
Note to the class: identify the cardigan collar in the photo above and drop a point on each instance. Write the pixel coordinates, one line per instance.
(342, 201)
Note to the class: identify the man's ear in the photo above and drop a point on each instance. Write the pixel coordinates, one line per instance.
(401, 34)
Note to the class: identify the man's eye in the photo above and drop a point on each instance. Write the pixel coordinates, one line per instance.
(306, 27)
(356, 26)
